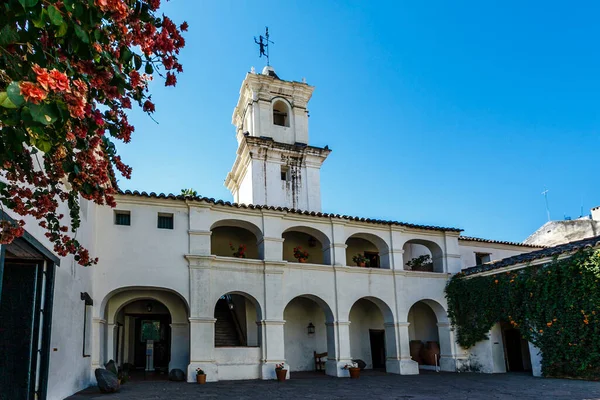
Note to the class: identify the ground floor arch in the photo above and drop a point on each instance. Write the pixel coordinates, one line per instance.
(145, 330)
(237, 336)
(308, 334)
(431, 340)
(373, 334)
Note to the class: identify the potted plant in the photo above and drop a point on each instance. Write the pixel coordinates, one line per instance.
(241, 250)
(280, 371)
(353, 369)
(360, 260)
(300, 254)
(200, 376)
(421, 263)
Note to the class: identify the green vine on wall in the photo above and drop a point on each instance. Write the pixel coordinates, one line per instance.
(555, 306)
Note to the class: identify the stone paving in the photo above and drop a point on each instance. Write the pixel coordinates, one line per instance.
(427, 386)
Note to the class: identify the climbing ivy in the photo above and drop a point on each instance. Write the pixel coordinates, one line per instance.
(556, 306)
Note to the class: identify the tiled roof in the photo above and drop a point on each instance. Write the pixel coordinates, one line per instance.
(474, 239)
(289, 210)
(548, 252)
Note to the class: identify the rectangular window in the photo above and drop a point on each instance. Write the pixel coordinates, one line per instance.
(165, 221)
(482, 258)
(122, 218)
(285, 173)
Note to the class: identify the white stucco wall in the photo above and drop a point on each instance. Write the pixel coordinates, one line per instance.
(496, 251)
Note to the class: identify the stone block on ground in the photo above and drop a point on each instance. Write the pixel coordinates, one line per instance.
(112, 367)
(107, 381)
(177, 375)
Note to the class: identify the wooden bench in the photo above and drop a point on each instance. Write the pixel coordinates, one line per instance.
(320, 359)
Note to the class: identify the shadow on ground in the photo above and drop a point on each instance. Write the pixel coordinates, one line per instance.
(371, 386)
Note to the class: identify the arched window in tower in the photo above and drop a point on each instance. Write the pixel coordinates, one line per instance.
(280, 114)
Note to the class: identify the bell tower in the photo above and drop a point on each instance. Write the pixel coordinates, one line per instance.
(275, 165)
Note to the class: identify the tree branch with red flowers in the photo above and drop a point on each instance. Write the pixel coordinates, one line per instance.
(69, 71)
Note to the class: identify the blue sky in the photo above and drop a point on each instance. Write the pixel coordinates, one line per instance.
(447, 113)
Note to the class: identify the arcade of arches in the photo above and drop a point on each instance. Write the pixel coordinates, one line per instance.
(141, 322)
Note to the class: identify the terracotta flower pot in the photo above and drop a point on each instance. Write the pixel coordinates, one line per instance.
(281, 374)
(201, 379)
(362, 264)
(354, 373)
(302, 260)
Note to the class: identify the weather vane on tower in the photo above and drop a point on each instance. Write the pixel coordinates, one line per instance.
(263, 44)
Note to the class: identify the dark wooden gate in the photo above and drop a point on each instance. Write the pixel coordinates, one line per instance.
(26, 294)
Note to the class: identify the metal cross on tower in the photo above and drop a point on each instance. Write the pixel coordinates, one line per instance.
(263, 44)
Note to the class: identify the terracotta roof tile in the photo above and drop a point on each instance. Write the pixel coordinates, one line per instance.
(289, 210)
(474, 239)
(548, 252)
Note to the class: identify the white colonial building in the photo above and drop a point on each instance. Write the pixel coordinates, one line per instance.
(171, 290)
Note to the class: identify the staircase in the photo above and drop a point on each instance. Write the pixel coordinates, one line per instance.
(225, 330)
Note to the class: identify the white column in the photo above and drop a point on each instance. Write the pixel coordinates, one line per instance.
(110, 342)
(126, 333)
(273, 347)
(407, 365)
(535, 355)
(272, 248)
(339, 333)
(202, 344)
(98, 332)
(180, 344)
(447, 347)
(393, 362)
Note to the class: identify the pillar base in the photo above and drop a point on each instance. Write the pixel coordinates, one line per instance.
(210, 369)
(336, 368)
(267, 370)
(448, 364)
(402, 367)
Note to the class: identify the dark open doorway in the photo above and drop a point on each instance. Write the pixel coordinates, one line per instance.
(26, 292)
(516, 350)
(377, 339)
(156, 329)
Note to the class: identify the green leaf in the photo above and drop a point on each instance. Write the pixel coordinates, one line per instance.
(126, 55)
(62, 30)
(14, 94)
(40, 22)
(42, 113)
(137, 61)
(8, 35)
(149, 68)
(43, 145)
(5, 101)
(55, 16)
(28, 3)
(81, 34)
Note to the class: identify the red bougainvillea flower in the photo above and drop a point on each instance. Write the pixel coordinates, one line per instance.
(32, 92)
(43, 77)
(148, 106)
(59, 81)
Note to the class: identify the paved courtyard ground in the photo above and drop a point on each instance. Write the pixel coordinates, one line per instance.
(429, 385)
